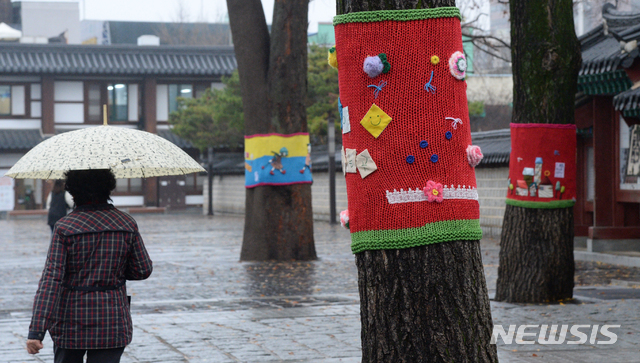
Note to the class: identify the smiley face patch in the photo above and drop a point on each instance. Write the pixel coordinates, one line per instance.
(375, 120)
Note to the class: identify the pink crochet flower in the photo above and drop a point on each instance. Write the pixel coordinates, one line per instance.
(458, 65)
(433, 191)
(474, 155)
(344, 218)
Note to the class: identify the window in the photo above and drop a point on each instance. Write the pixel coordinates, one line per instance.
(94, 103)
(5, 100)
(127, 186)
(13, 100)
(122, 100)
(118, 101)
(629, 156)
(178, 90)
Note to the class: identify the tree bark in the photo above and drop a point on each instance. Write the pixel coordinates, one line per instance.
(538, 244)
(273, 73)
(533, 265)
(422, 304)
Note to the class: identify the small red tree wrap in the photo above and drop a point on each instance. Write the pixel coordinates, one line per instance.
(409, 178)
(542, 166)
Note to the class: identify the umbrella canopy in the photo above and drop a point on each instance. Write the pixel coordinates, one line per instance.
(127, 152)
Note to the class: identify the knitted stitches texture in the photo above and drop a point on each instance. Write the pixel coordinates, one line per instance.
(413, 237)
(541, 205)
(419, 145)
(542, 166)
(397, 15)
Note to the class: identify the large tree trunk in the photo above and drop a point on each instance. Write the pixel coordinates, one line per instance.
(273, 74)
(422, 304)
(536, 247)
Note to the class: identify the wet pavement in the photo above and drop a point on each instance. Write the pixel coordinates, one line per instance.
(202, 305)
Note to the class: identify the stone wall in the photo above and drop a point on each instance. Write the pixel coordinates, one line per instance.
(229, 195)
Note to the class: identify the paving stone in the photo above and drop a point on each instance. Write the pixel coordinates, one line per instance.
(202, 305)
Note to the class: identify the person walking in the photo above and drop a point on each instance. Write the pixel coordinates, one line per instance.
(81, 298)
(59, 202)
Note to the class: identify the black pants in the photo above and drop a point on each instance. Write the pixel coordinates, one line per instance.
(62, 355)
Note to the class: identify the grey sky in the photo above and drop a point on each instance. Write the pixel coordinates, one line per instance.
(194, 10)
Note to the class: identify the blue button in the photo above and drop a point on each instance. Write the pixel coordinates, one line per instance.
(434, 158)
(424, 144)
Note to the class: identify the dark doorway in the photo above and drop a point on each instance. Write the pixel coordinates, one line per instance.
(172, 191)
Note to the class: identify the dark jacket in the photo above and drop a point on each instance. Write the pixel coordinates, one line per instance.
(58, 207)
(95, 247)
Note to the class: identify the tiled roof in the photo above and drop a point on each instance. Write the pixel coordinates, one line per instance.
(601, 49)
(495, 146)
(116, 59)
(627, 100)
(19, 139)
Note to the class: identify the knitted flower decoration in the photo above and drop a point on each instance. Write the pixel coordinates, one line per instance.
(332, 58)
(433, 191)
(344, 218)
(374, 66)
(458, 65)
(474, 155)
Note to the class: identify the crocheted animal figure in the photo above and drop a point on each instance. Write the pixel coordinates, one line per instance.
(276, 161)
(307, 161)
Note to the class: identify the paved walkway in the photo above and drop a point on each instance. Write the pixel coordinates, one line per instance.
(202, 305)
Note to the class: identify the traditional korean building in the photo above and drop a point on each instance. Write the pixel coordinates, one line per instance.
(607, 211)
(46, 89)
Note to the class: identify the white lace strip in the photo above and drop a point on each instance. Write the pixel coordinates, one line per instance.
(407, 196)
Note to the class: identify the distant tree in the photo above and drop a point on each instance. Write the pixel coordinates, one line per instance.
(273, 83)
(536, 246)
(322, 95)
(213, 120)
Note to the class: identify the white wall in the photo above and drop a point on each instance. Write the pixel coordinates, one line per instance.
(229, 196)
(17, 101)
(492, 192)
(7, 160)
(128, 200)
(133, 102)
(68, 91)
(68, 112)
(49, 19)
(490, 89)
(162, 102)
(21, 124)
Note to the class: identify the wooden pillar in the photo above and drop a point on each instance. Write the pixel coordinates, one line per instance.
(607, 211)
(149, 106)
(150, 125)
(48, 122)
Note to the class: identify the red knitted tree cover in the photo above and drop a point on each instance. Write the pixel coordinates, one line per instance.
(407, 152)
(542, 166)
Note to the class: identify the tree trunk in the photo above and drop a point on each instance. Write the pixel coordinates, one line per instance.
(533, 265)
(422, 304)
(273, 74)
(537, 245)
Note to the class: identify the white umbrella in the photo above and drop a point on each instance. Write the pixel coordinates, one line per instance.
(127, 152)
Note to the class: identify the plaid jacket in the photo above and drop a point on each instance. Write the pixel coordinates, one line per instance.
(93, 246)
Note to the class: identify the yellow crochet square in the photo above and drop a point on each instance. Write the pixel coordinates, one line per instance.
(375, 121)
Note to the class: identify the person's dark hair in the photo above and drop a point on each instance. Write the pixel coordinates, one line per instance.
(58, 186)
(90, 186)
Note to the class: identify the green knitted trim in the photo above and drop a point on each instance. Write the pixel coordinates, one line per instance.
(397, 15)
(554, 204)
(393, 239)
